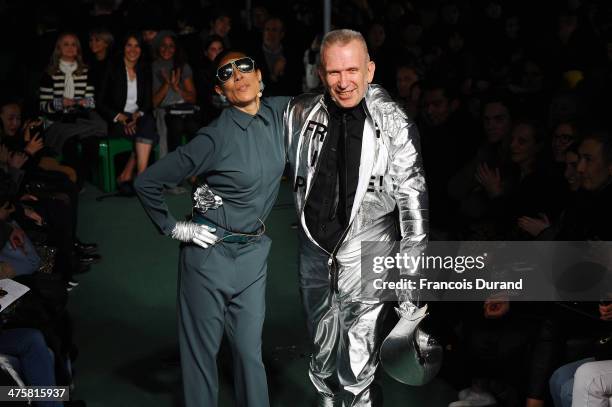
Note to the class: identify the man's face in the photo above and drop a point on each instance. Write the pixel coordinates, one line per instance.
(496, 122)
(523, 147)
(592, 168)
(149, 35)
(273, 33)
(222, 26)
(376, 36)
(11, 119)
(574, 180)
(437, 107)
(346, 72)
(260, 15)
(404, 79)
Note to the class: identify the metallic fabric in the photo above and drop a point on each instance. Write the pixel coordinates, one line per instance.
(345, 326)
(204, 199)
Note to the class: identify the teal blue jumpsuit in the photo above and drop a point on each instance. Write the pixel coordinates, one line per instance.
(222, 288)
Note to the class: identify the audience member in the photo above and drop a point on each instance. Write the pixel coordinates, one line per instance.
(174, 93)
(407, 91)
(210, 102)
(220, 24)
(125, 102)
(101, 46)
(448, 139)
(67, 99)
(280, 68)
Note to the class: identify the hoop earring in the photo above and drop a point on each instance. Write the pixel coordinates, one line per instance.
(262, 86)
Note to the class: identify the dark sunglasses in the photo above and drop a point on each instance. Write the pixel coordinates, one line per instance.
(244, 65)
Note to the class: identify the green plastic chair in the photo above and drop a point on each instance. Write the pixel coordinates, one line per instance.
(109, 148)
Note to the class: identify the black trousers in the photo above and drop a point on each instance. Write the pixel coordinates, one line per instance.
(179, 125)
(86, 161)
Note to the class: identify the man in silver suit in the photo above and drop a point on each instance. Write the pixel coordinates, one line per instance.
(357, 177)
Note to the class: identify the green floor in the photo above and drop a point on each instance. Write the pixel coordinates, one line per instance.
(125, 322)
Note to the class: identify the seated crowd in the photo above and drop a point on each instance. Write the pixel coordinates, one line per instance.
(511, 101)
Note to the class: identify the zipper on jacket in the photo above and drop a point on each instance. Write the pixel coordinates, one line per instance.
(332, 263)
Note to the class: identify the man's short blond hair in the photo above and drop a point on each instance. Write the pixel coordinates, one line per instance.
(343, 37)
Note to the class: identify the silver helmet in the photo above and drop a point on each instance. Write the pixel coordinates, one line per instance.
(408, 354)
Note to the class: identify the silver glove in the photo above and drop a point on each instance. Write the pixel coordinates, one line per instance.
(190, 232)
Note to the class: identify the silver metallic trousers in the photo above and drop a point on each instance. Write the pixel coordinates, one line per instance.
(345, 333)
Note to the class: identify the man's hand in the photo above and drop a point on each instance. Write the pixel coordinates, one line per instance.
(17, 159)
(17, 239)
(28, 197)
(35, 216)
(534, 226)
(68, 102)
(490, 180)
(35, 144)
(278, 69)
(122, 118)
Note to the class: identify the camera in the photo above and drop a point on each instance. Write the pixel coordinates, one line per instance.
(37, 127)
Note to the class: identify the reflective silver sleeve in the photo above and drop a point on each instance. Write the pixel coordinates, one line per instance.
(406, 170)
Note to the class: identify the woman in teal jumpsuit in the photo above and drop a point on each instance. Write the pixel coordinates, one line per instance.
(222, 276)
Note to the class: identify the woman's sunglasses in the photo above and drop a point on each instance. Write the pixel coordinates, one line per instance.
(244, 65)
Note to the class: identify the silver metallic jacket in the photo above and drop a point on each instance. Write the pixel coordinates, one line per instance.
(390, 174)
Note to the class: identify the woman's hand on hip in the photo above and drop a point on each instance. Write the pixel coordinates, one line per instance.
(190, 232)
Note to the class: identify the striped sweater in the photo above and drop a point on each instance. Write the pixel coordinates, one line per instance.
(52, 91)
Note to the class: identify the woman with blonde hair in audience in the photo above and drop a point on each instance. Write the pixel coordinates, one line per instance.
(67, 100)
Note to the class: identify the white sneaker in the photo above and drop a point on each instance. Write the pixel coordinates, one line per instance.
(473, 398)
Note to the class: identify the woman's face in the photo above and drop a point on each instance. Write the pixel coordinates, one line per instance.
(242, 88)
(571, 171)
(167, 48)
(69, 49)
(523, 147)
(562, 137)
(97, 45)
(214, 49)
(11, 119)
(132, 50)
